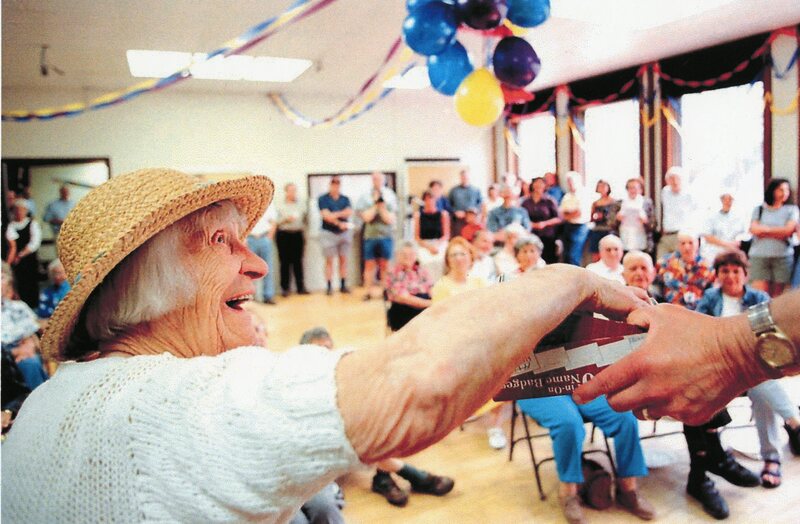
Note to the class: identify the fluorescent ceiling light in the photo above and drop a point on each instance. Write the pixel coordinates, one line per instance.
(160, 64)
(415, 78)
(632, 14)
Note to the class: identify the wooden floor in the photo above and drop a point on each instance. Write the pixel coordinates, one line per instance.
(489, 488)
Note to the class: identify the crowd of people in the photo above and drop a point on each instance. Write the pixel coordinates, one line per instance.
(463, 244)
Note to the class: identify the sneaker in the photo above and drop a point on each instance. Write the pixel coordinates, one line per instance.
(706, 494)
(284, 293)
(303, 292)
(434, 485)
(634, 502)
(571, 506)
(497, 438)
(385, 485)
(345, 290)
(794, 439)
(734, 472)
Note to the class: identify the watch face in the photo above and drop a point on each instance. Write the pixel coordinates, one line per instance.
(775, 351)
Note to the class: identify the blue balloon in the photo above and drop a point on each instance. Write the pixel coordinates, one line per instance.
(515, 62)
(482, 14)
(413, 4)
(448, 69)
(431, 28)
(528, 13)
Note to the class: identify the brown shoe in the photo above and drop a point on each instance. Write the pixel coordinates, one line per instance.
(571, 506)
(634, 502)
(385, 485)
(434, 485)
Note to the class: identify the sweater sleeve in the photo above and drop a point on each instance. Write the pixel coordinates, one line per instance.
(250, 433)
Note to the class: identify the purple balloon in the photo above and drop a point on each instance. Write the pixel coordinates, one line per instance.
(515, 62)
(482, 14)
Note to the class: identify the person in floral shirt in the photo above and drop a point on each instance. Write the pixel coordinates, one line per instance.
(55, 292)
(684, 275)
(409, 288)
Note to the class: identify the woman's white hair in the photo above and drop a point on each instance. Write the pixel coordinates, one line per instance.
(53, 266)
(154, 279)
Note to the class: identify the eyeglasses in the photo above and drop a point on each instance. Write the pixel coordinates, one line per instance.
(455, 254)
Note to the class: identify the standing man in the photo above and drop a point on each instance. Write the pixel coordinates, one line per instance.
(377, 209)
(260, 242)
(442, 202)
(463, 197)
(507, 214)
(677, 208)
(723, 230)
(290, 240)
(57, 210)
(336, 236)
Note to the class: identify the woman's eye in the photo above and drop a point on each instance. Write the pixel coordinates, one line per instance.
(219, 238)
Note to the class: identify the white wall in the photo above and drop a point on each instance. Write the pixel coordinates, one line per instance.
(230, 133)
(785, 132)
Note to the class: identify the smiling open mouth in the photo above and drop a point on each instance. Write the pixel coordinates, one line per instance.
(239, 300)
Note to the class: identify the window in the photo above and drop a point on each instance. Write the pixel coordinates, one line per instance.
(537, 144)
(611, 134)
(722, 137)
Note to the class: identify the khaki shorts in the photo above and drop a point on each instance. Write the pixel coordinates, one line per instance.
(334, 244)
(772, 269)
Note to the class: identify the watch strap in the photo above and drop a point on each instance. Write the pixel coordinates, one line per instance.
(760, 318)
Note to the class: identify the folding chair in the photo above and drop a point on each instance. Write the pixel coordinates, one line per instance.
(528, 437)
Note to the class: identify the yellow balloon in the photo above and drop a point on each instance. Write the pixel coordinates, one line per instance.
(515, 29)
(479, 99)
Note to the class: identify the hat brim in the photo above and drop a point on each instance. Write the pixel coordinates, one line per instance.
(250, 194)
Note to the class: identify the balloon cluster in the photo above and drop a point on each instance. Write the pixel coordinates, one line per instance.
(480, 94)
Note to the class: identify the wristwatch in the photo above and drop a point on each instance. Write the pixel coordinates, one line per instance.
(774, 349)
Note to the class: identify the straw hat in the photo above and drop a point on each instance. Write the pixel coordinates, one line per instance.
(120, 215)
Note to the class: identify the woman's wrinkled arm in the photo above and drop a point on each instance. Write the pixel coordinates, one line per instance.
(416, 386)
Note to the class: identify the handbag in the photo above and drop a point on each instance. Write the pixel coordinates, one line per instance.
(597, 485)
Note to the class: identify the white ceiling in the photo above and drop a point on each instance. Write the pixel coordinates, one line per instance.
(347, 40)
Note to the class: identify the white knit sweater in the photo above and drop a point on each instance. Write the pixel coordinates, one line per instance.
(245, 436)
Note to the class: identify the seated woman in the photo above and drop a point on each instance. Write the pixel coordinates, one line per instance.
(52, 294)
(528, 251)
(20, 337)
(564, 418)
(505, 260)
(483, 266)
(409, 288)
(457, 279)
(769, 398)
(431, 232)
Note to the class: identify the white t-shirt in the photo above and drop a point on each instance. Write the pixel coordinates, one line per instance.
(600, 268)
(725, 226)
(731, 305)
(678, 209)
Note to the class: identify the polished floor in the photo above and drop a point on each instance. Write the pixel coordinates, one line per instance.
(491, 489)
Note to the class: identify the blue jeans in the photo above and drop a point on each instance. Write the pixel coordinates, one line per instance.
(32, 371)
(262, 247)
(564, 418)
(770, 399)
(574, 240)
(322, 508)
(796, 276)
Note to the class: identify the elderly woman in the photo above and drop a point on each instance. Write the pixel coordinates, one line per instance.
(604, 212)
(769, 398)
(528, 251)
(167, 413)
(635, 218)
(505, 260)
(55, 292)
(25, 263)
(409, 288)
(431, 232)
(20, 335)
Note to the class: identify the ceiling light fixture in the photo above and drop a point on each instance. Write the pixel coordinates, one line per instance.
(160, 64)
(414, 78)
